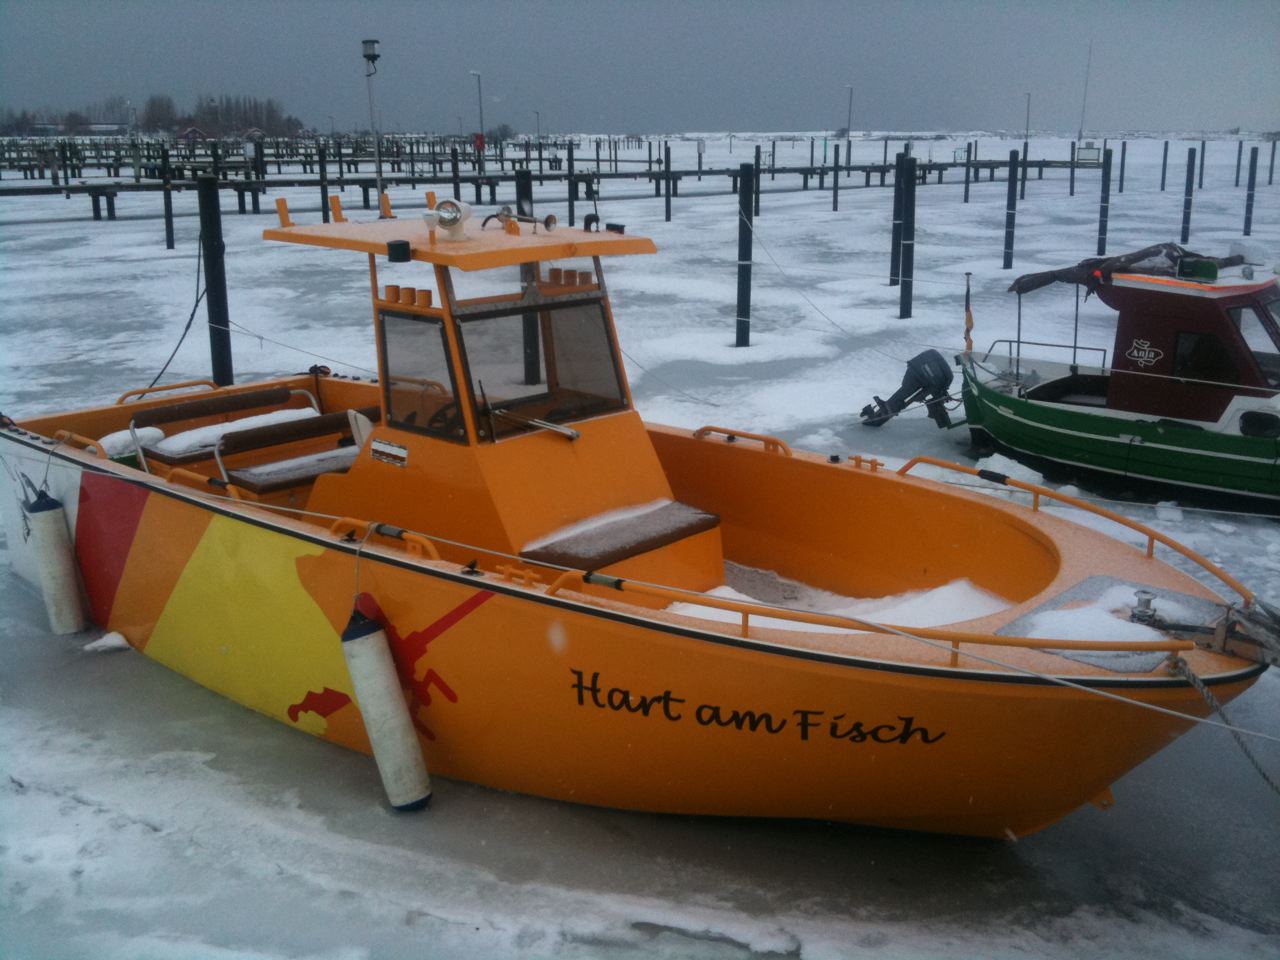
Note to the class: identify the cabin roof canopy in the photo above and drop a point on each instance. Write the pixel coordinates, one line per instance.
(1159, 260)
(481, 249)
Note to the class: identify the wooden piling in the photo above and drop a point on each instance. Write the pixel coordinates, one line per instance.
(1104, 205)
(746, 190)
(1186, 194)
(1010, 209)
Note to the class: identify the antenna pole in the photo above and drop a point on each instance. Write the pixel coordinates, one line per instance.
(1088, 65)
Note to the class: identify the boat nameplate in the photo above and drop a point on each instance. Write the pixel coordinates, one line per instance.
(388, 452)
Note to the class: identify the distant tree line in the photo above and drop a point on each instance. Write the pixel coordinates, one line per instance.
(214, 116)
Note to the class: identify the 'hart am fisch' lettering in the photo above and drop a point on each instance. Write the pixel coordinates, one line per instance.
(810, 725)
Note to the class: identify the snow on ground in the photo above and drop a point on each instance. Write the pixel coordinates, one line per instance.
(141, 816)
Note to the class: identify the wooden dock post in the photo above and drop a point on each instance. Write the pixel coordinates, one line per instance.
(895, 236)
(908, 262)
(1071, 175)
(165, 173)
(571, 184)
(1186, 194)
(1164, 165)
(756, 184)
(746, 190)
(1203, 151)
(215, 281)
(1022, 187)
(1239, 157)
(1248, 198)
(457, 183)
(323, 169)
(968, 154)
(1104, 205)
(835, 183)
(666, 169)
(1010, 209)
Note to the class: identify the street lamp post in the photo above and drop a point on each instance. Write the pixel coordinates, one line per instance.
(370, 48)
(480, 103)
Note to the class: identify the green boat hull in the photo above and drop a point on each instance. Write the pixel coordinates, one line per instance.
(1159, 451)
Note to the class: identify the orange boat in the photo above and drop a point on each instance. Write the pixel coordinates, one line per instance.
(583, 606)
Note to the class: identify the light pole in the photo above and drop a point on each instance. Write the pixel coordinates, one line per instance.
(480, 102)
(370, 48)
(331, 126)
(538, 117)
(848, 123)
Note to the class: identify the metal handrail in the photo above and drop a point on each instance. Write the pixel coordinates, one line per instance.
(143, 391)
(1041, 343)
(1153, 536)
(954, 637)
(771, 444)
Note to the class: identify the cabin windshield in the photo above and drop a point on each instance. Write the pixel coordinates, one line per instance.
(1260, 337)
(555, 364)
(419, 389)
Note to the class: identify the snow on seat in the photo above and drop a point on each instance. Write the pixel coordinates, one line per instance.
(200, 442)
(267, 477)
(608, 538)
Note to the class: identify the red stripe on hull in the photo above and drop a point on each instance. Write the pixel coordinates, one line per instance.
(110, 511)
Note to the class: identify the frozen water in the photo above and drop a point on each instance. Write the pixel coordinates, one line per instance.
(141, 816)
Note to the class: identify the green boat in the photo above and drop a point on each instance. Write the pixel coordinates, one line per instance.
(1191, 397)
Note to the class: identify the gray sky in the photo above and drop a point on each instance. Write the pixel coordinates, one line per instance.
(649, 66)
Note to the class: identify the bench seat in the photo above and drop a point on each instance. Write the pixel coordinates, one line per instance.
(270, 477)
(612, 537)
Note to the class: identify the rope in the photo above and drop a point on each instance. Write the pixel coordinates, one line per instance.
(194, 307)
(673, 389)
(1183, 669)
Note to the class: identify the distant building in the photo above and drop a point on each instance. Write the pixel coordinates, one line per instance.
(192, 133)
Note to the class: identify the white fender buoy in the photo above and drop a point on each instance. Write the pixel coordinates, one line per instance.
(386, 717)
(55, 562)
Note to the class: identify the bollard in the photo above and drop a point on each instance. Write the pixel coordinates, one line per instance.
(1104, 205)
(1120, 183)
(1071, 174)
(895, 237)
(1248, 198)
(215, 281)
(1164, 165)
(835, 183)
(746, 190)
(1186, 194)
(168, 197)
(1239, 157)
(908, 238)
(1010, 209)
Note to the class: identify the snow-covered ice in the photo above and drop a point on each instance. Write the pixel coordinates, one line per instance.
(144, 817)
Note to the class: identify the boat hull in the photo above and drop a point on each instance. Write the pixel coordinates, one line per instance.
(1153, 450)
(514, 688)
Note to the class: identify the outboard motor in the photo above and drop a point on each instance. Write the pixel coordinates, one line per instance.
(928, 378)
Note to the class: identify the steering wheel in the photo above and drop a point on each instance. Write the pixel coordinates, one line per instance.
(444, 419)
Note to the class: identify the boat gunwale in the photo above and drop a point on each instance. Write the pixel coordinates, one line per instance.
(49, 448)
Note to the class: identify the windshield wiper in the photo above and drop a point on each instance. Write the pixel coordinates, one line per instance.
(567, 432)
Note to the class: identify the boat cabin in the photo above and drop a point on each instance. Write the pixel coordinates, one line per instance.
(503, 414)
(1192, 343)
(1205, 342)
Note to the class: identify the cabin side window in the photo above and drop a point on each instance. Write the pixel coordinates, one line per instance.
(419, 389)
(555, 364)
(1202, 356)
(1261, 342)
